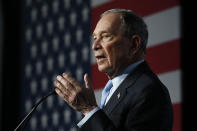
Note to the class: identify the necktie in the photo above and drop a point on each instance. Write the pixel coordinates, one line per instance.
(105, 93)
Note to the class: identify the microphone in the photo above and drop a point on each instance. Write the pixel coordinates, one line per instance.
(29, 115)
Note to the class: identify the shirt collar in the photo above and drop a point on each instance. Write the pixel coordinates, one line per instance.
(118, 79)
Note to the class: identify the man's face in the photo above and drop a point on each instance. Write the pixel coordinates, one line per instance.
(111, 47)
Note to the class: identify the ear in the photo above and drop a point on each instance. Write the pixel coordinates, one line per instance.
(135, 44)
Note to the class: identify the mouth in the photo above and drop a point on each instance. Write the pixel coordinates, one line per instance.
(100, 57)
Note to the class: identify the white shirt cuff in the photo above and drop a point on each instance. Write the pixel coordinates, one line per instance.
(87, 117)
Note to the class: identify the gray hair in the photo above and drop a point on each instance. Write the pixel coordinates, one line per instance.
(132, 24)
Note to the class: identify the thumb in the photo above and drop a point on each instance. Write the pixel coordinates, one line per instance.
(88, 83)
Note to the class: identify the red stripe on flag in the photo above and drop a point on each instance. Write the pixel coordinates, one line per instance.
(164, 57)
(161, 58)
(99, 79)
(177, 117)
(141, 7)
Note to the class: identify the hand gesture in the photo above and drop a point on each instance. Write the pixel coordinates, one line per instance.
(78, 97)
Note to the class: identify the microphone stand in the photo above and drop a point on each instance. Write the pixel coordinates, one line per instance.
(29, 115)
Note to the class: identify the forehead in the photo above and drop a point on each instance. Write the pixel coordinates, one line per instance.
(108, 23)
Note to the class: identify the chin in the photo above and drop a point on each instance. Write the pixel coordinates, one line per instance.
(105, 69)
(102, 68)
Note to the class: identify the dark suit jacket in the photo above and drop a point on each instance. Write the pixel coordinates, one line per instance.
(140, 103)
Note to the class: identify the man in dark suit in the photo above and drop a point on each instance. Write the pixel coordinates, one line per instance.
(134, 99)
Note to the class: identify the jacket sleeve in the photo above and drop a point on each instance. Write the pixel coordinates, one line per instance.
(98, 122)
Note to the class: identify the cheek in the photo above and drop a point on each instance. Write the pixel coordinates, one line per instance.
(118, 56)
(112, 55)
(116, 52)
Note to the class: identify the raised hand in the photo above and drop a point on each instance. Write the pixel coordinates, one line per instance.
(78, 97)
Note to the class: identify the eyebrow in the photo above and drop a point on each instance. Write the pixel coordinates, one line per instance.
(93, 34)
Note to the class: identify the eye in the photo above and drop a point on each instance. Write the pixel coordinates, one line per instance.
(94, 38)
(106, 37)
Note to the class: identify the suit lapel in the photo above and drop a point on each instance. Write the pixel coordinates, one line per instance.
(121, 91)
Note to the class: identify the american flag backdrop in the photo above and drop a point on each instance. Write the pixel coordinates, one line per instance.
(56, 38)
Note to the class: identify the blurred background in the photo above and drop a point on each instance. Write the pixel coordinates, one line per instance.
(40, 39)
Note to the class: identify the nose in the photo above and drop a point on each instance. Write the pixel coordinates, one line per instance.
(96, 45)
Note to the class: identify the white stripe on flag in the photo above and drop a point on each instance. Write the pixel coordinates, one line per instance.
(163, 26)
(172, 80)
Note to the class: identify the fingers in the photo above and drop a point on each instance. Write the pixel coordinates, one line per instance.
(87, 81)
(66, 87)
(71, 80)
(79, 98)
(62, 87)
(61, 94)
(66, 84)
(66, 94)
